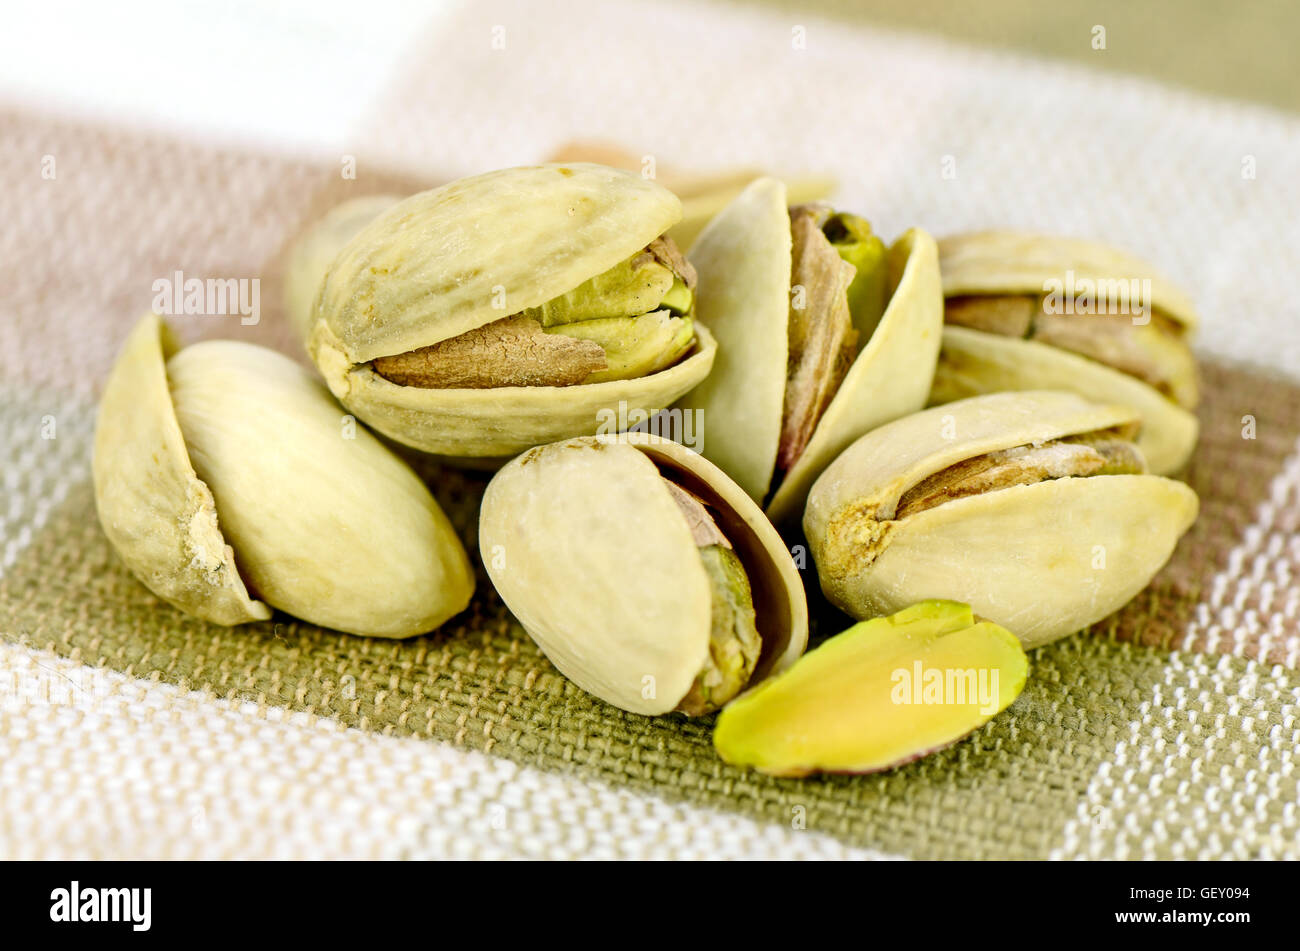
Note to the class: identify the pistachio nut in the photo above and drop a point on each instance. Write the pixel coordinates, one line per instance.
(315, 249)
(703, 194)
(230, 482)
(644, 573)
(881, 694)
(1033, 507)
(823, 335)
(1028, 311)
(512, 309)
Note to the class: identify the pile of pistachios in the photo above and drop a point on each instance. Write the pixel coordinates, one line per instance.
(535, 321)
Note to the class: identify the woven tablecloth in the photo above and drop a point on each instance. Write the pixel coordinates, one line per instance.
(130, 730)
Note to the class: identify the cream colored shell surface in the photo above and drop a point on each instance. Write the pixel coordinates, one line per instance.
(587, 548)
(881, 466)
(1015, 262)
(972, 362)
(155, 510)
(1042, 560)
(449, 260)
(315, 250)
(503, 421)
(743, 261)
(326, 523)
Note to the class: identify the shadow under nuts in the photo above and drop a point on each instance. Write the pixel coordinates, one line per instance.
(642, 572)
(230, 482)
(511, 309)
(1032, 507)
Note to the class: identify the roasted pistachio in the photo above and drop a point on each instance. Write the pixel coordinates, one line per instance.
(1032, 507)
(314, 250)
(1027, 311)
(823, 333)
(512, 309)
(230, 482)
(881, 694)
(644, 573)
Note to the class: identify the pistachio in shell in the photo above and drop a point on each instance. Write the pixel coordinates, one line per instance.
(1013, 323)
(313, 251)
(644, 574)
(883, 693)
(824, 333)
(1033, 507)
(512, 309)
(230, 483)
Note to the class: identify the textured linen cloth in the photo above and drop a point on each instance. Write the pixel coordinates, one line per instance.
(128, 729)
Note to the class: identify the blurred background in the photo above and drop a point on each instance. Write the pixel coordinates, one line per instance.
(302, 72)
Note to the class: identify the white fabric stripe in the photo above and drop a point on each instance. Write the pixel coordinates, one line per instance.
(94, 764)
(1123, 790)
(1261, 566)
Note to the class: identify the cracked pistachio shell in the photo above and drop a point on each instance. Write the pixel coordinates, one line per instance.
(1016, 262)
(1042, 560)
(972, 363)
(1006, 262)
(313, 252)
(446, 261)
(858, 703)
(588, 549)
(223, 471)
(743, 258)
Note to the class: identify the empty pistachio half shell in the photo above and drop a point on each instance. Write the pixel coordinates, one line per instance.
(512, 309)
(645, 574)
(823, 334)
(230, 482)
(1027, 311)
(1032, 507)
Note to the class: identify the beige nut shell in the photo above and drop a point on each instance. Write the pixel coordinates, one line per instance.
(153, 507)
(1025, 557)
(586, 546)
(446, 261)
(312, 253)
(229, 465)
(744, 261)
(1020, 262)
(972, 362)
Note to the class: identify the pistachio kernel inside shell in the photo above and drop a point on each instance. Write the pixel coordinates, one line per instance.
(1104, 453)
(838, 277)
(627, 322)
(734, 642)
(1155, 352)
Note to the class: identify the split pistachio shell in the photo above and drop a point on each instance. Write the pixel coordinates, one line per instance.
(586, 544)
(1005, 263)
(224, 471)
(448, 261)
(881, 694)
(972, 362)
(1043, 559)
(312, 253)
(744, 295)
